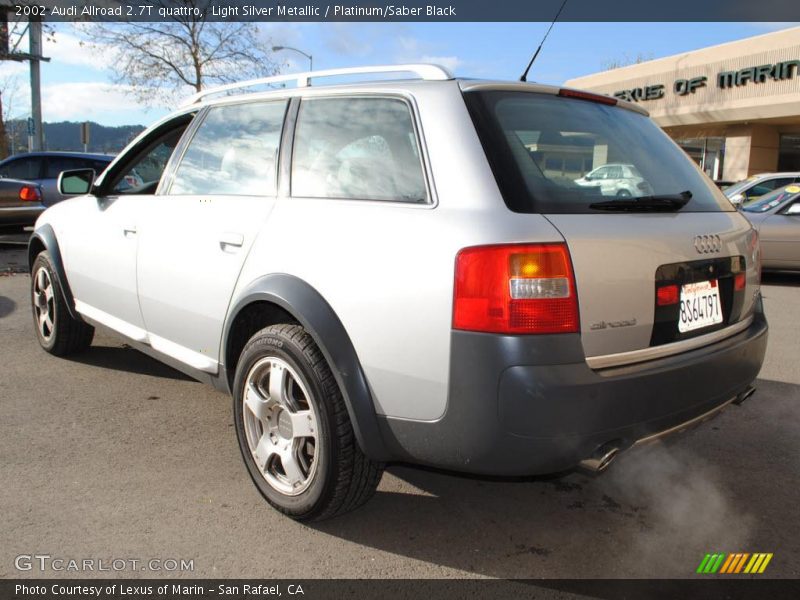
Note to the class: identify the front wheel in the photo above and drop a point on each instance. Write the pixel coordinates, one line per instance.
(57, 331)
(293, 428)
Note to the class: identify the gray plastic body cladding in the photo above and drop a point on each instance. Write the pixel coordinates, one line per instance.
(312, 311)
(47, 237)
(507, 417)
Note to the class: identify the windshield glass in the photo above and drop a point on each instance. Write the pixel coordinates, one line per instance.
(734, 189)
(771, 200)
(552, 154)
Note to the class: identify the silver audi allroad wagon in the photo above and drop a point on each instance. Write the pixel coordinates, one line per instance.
(413, 270)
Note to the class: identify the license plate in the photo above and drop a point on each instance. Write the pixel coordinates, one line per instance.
(700, 306)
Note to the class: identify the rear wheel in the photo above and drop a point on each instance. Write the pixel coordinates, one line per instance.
(293, 428)
(57, 331)
(623, 194)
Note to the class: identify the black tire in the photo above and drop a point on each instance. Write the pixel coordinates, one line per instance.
(67, 335)
(623, 194)
(344, 478)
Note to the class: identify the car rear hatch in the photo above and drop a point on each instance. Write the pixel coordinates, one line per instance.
(658, 273)
(647, 280)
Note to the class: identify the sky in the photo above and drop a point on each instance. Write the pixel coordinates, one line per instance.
(77, 84)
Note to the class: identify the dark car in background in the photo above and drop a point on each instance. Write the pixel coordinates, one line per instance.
(20, 203)
(43, 168)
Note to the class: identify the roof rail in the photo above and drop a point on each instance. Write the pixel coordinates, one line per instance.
(423, 71)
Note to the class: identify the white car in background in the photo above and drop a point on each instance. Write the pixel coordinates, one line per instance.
(756, 186)
(622, 181)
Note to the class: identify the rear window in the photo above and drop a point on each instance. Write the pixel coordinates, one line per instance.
(559, 155)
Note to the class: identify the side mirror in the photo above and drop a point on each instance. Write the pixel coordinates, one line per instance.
(76, 181)
(794, 209)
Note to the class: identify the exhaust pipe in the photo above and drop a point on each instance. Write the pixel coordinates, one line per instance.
(744, 395)
(600, 459)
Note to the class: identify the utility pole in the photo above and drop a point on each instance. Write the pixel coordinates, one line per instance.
(35, 39)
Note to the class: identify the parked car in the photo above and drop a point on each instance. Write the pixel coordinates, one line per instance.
(381, 271)
(623, 181)
(756, 186)
(20, 203)
(776, 216)
(43, 168)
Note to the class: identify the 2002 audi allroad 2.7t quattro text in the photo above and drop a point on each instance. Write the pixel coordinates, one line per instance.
(408, 270)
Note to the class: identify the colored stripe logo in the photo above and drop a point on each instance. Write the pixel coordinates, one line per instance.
(735, 563)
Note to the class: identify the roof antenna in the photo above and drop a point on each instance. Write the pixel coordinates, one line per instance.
(524, 76)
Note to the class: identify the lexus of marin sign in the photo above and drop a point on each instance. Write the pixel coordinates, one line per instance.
(725, 79)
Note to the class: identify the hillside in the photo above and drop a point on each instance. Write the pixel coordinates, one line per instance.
(66, 135)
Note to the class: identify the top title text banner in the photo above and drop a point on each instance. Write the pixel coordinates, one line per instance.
(411, 10)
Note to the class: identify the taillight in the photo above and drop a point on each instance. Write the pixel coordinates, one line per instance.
(739, 281)
(29, 193)
(515, 289)
(668, 295)
(755, 253)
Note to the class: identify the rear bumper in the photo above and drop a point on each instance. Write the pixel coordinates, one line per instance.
(522, 405)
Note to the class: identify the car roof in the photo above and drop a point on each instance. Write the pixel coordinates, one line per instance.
(760, 176)
(428, 75)
(54, 153)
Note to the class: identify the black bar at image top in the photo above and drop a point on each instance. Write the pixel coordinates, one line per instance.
(405, 10)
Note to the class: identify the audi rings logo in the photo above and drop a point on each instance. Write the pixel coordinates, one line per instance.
(707, 244)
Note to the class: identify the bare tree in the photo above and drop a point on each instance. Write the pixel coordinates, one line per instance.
(157, 61)
(9, 93)
(625, 60)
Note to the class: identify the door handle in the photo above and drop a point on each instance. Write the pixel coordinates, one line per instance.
(231, 239)
(129, 230)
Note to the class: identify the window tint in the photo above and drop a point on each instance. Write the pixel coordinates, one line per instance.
(22, 168)
(234, 151)
(144, 173)
(525, 133)
(56, 164)
(361, 148)
(768, 185)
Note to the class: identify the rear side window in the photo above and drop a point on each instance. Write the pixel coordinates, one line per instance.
(234, 151)
(357, 148)
(22, 168)
(528, 136)
(56, 164)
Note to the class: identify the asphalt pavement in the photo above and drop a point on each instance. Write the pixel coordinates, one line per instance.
(112, 455)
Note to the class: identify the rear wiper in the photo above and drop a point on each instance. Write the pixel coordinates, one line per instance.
(664, 203)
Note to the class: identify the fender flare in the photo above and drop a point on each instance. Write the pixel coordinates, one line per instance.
(312, 311)
(45, 235)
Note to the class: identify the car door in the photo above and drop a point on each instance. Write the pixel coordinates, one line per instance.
(780, 236)
(194, 239)
(100, 245)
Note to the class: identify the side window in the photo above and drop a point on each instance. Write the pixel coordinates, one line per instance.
(615, 173)
(142, 173)
(98, 165)
(234, 151)
(23, 168)
(358, 148)
(56, 164)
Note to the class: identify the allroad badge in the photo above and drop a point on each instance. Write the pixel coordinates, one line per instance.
(707, 244)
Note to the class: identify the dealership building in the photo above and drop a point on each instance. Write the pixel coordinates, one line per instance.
(734, 108)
